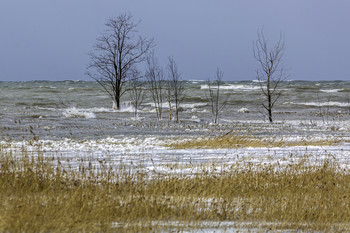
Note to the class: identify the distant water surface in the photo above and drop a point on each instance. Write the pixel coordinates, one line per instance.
(81, 109)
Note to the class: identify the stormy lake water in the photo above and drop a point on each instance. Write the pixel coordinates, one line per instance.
(80, 109)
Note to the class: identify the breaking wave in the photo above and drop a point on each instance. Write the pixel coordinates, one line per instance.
(318, 104)
(332, 90)
(241, 87)
(73, 112)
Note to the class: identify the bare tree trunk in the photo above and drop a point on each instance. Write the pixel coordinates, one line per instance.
(116, 102)
(136, 93)
(169, 102)
(155, 80)
(271, 71)
(214, 98)
(176, 86)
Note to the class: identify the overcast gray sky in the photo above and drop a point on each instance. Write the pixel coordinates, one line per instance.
(50, 39)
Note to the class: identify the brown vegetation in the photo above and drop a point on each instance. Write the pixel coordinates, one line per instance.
(237, 140)
(38, 194)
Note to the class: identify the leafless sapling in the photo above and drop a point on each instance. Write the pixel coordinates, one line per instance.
(214, 96)
(175, 87)
(271, 71)
(155, 80)
(116, 54)
(169, 99)
(136, 92)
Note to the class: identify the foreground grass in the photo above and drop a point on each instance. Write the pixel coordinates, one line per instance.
(236, 140)
(37, 195)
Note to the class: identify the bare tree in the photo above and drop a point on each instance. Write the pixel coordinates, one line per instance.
(271, 71)
(155, 80)
(169, 99)
(176, 87)
(214, 97)
(136, 93)
(116, 54)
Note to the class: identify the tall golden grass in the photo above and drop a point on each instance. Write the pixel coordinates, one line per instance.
(39, 194)
(234, 139)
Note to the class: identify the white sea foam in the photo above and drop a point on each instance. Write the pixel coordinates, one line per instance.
(47, 87)
(194, 105)
(164, 104)
(321, 104)
(102, 109)
(243, 110)
(183, 105)
(196, 81)
(73, 112)
(332, 90)
(258, 81)
(233, 87)
(126, 107)
(195, 119)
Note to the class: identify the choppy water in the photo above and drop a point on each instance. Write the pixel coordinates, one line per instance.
(46, 106)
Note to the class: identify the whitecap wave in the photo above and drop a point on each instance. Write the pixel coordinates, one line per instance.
(332, 90)
(195, 81)
(47, 87)
(126, 107)
(102, 109)
(243, 110)
(194, 105)
(183, 105)
(241, 87)
(258, 81)
(321, 104)
(73, 112)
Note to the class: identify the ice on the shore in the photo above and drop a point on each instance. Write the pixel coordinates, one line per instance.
(153, 154)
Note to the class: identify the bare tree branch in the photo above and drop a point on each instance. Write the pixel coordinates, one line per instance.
(176, 86)
(217, 104)
(271, 69)
(116, 54)
(155, 80)
(136, 92)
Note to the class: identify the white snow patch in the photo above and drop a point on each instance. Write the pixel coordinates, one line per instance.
(150, 154)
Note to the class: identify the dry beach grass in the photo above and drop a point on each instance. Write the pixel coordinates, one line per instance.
(39, 194)
(233, 139)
